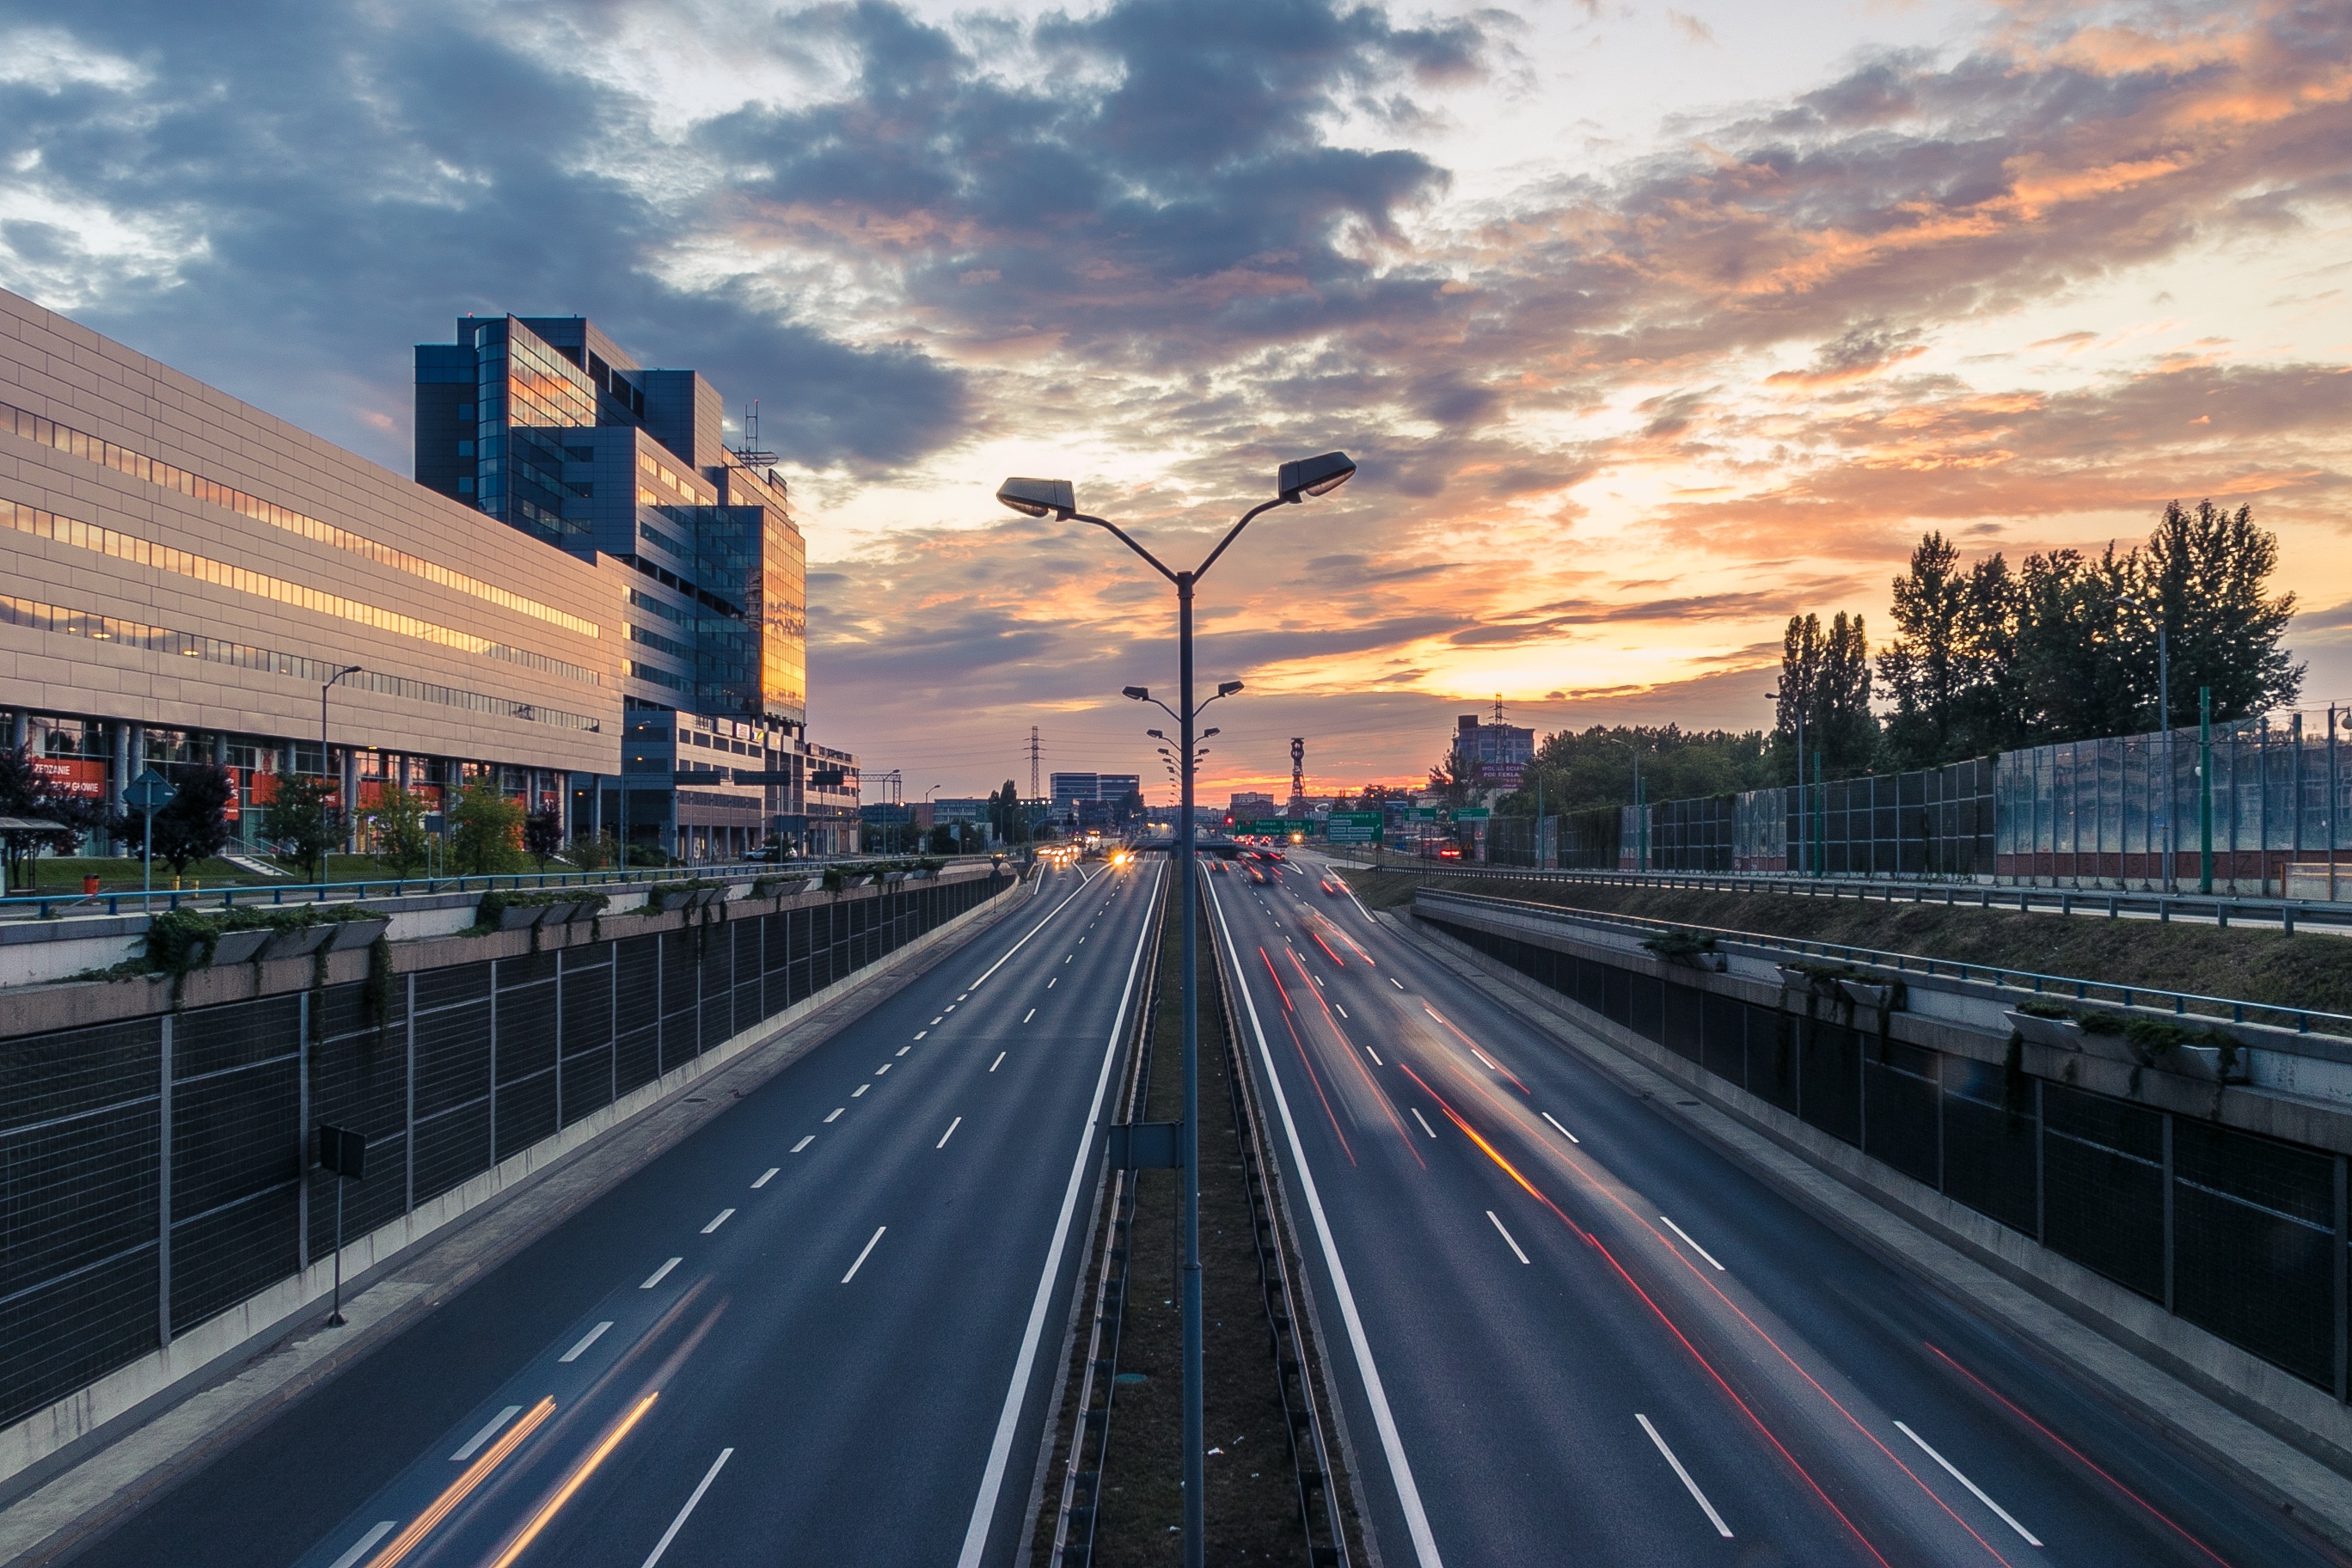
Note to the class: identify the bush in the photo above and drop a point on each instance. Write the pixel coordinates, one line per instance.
(488, 837)
(397, 818)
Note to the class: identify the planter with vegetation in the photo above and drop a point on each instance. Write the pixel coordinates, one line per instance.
(2192, 1050)
(500, 911)
(184, 939)
(1688, 948)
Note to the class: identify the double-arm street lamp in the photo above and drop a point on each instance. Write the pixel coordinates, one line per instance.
(1057, 498)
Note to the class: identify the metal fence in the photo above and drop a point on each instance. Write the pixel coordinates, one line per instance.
(2237, 1233)
(158, 1172)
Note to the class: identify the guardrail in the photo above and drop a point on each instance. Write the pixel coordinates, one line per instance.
(2027, 980)
(50, 906)
(2220, 908)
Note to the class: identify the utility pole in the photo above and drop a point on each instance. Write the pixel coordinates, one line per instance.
(1034, 794)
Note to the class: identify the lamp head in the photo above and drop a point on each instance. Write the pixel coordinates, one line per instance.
(1136, 693)
(1314, 476)
(1039, 498)
(1155, 734)
(1206, 733)
(1227, 688)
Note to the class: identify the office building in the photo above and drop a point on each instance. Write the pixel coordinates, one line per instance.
(184, 573)
(1493, 755)
(547, 426)
(1092, 800)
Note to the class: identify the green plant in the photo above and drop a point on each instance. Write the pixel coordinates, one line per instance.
(303, 818)
(397, 819)
(491, 908)
(194, 823)
(1678, 942)
(835, 881)
(488, 837)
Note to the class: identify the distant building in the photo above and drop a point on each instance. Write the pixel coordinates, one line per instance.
(1493, 753)
(1249, 805)
(1092, 800)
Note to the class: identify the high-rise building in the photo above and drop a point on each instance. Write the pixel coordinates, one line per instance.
(1496, 753)
(1092, 800)
(546, 425)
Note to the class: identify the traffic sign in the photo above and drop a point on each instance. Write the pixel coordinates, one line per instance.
(149, 792)
(1473, 814)
(1354, 827)
(1424, 813)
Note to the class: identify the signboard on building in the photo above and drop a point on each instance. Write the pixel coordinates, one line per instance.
(1354, 827)
(82, 776)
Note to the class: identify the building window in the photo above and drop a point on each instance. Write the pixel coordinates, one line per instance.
(464, 484)
(464, 448)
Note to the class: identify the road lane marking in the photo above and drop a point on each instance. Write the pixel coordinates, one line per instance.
(1417, 1116)
(934, 1023)
(1029, 1014)
(770, 1173)
(1016, 1392)
(1952, 1470)
(965, 997)
(360, 1548)
(862, 1254)
(999, 1061)
(837, 1111)
(804, 1143)
(1049, 985)
(1416, 1518)
(921, 1033)
(1507, 1235)
(1688, 1485)
(574, 1482)
(463, 1487)
(1484, 1057)
(904, 1049)
(723, 1216)
(1375, 1055)
(661, 1274)
(883, 1068)
(678, 1523)
(490, 1430)
(1033, 929)
(861, 1088)
(590, 1338)
(1395, 982)
(948, 1009)
(1341, 1011)
(1068, 960)
(1564, 1132)
(949, 1134)
(1695, 1247)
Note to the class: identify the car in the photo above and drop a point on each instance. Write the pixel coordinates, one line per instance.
(1449, 852)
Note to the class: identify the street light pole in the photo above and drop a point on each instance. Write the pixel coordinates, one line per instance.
(328, 686)
(1038, 497)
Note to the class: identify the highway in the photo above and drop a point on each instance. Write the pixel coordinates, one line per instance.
(820, 1329)
(1565, 1329)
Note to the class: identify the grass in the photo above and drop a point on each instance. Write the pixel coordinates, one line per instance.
(63, 873)
(2241, 963)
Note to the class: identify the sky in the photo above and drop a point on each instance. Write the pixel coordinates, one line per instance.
(1647, 326)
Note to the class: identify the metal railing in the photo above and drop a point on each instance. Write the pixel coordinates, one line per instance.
(2000, 977)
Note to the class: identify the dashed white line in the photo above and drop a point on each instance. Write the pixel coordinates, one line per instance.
(1395, 982)
(1417, 1116)
(678, 1523)
(1049, 985)
(721, 1217)
(1695, 1247)
(837, 1111)
(965, 997)
(861, 1257)
(1689, 1485)
(883, 1068)
(1068, 960)
(921, 1033)
(1029, 1014)
(2031, 1540)
(999, 1061)
(1484, 1057)
(770, 1173)
(490, 1430)
(904, 1049)
(590, 1338)
(1564, 1132)
(661, 1274)
(935, 1024)
(366, 1543)
(809, 1139)
(1507, 1235)
(948, 1009)
(861, 1088)
(1341, 1011)
(1375, 1055)
(949, 1134)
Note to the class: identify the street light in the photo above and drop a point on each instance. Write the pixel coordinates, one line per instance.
(328, 686)
(2164, 724)
(1296, 481)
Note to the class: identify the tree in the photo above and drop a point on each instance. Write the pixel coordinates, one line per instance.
(193, 825)
(488, 837)
(1949, 657)
(942, 839)
(543, 836)
(1451, 778)
(24, 793)
(2207, 571)
(1826, 676)
(1577, 771)
(1006, 816)
(397, 819)
(303, 819)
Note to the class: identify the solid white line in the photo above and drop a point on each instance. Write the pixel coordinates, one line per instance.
(861, 1257)
(671, 1535)
(766, 1176)
(661, 1274)
(999, 1061)
(1033, 929)
(1695, 1247)
(1416, 1520)
(1953, 1471)
(1698, 1496)
(1029, 1014)
(590, 1338)
(804, 1143)
(1417, 1116)
(1506, 1235)
(1016, 1392)
(949, 1134)
(1375, 1055)
(724, 1216)
(861, 1088)
(1564, 1132)
(367, 1543)
(490, 1430)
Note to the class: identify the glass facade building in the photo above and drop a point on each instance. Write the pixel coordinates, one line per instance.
(549, 425)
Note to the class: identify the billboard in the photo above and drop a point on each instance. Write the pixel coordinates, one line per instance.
(82, 776)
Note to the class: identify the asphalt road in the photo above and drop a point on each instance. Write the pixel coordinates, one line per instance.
(820, 1329)
(1565, 1329)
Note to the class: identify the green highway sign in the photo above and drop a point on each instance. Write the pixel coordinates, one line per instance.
(1424, 813)
(1354, 827)
(1280, 826)
(1472, 814)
